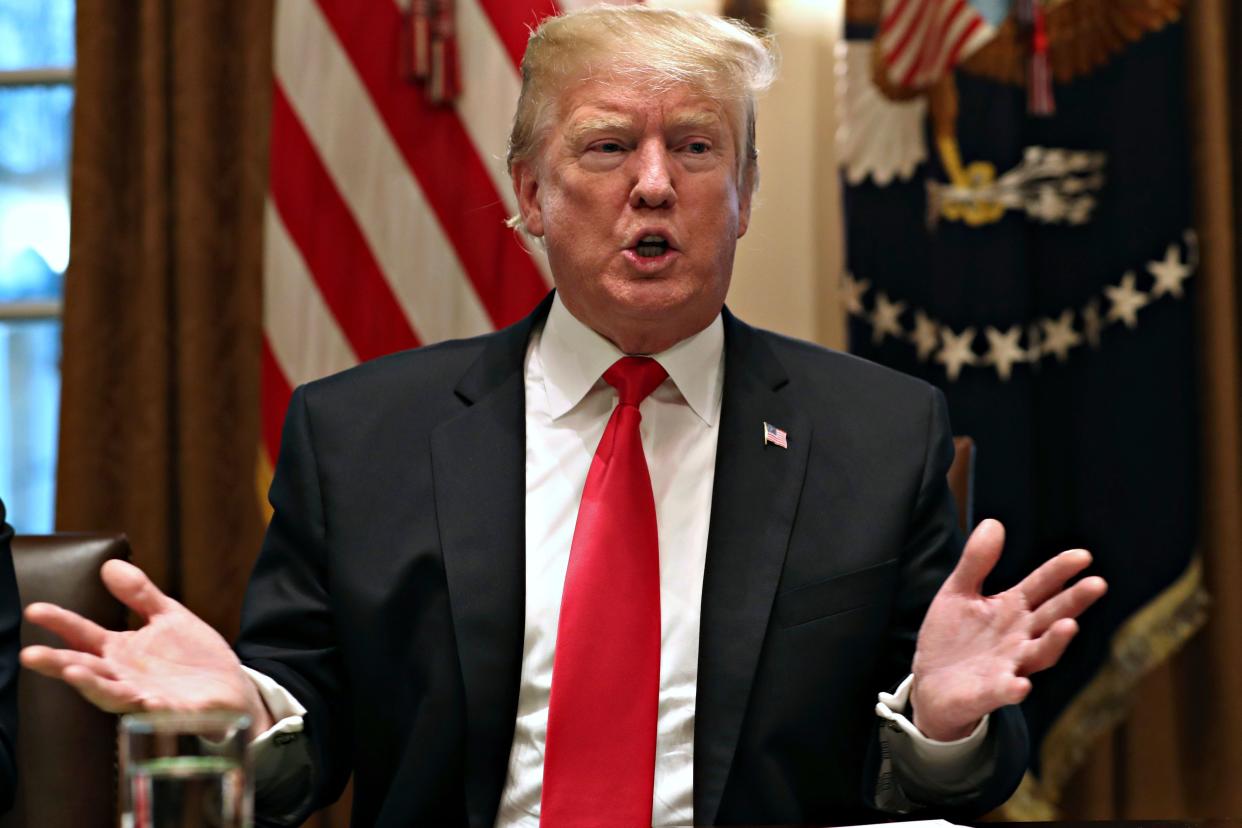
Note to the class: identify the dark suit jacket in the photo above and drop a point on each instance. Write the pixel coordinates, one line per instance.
(388, 597)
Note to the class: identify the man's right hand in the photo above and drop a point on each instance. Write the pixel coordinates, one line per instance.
(175, 661)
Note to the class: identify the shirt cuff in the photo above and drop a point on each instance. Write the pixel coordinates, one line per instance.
(285, 709)
(941, 764)
(279, 756)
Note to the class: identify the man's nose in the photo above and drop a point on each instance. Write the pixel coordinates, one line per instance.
(653, 183)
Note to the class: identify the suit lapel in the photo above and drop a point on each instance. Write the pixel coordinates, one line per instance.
(478, 461)
(754, 500)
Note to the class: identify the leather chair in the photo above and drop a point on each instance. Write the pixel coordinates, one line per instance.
(962, 482)
(66, 748)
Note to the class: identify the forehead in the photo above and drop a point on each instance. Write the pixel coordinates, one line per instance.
(612, 102)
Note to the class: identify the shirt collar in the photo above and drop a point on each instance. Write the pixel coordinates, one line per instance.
(574, 357)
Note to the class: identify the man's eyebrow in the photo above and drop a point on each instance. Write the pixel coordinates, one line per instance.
(695, 119)
(578, 130)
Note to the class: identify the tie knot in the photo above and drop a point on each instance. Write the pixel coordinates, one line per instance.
(635, 378)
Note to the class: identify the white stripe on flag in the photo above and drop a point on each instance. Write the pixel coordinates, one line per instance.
(490, 88)
(936, 48)
(305, 338)
(373, 179)
(956, 27)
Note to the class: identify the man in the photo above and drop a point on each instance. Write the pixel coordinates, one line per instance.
(527, 579)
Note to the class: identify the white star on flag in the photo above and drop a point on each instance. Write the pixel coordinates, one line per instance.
(886, 318)
(1003, 350)
(852, 291)
(1126, 301)
(1060, 336)
(1169, 273)
(956, 351)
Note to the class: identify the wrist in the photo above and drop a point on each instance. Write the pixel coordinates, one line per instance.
(940, 733)
(931, 726)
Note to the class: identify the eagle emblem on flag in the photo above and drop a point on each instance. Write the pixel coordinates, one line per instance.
(919, 47)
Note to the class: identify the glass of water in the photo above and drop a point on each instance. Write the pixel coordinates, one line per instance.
(185, 770)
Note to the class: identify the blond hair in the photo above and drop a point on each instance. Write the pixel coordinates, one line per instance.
(659, 48)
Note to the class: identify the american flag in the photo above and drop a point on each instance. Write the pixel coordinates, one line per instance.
(919, 40)
(387, 198)
(773, 435)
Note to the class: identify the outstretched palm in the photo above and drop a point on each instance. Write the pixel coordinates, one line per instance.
(976, 651)
(175, 661)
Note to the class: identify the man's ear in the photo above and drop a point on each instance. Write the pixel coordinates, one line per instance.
(526, 188)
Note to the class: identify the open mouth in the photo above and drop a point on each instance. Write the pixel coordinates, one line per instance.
(651, 247)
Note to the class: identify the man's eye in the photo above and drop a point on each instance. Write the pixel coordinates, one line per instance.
(698, 147)
(608, 147)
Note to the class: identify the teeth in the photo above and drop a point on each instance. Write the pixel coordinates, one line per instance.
(653, 239)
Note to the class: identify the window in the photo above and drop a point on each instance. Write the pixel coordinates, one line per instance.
(36, 113)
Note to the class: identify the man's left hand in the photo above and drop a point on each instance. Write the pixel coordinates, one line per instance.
(975, 651)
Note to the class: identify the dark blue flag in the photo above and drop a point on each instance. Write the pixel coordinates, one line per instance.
(1019, 235)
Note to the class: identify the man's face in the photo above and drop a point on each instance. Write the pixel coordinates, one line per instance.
(637, 198)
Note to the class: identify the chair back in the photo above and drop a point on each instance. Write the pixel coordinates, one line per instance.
(66, 748)
(962, 482)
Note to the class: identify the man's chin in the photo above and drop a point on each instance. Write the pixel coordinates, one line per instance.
(652, 317)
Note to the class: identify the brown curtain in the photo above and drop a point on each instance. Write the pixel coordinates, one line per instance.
(159, 414)
(1180, 753)
(162, 328)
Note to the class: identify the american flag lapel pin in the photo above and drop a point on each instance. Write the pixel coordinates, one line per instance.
(775, 436)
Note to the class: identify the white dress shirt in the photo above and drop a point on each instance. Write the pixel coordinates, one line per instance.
(568, 405)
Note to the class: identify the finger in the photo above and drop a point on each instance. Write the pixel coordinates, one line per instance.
(1051, 575)
(105, 693)
(134, 589)
(1014, 690)
(52, 662)
(1046, 650)
(77, 632)
(1069, 603)
(982, 551)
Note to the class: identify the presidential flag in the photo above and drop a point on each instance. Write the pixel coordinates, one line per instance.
(1019, 233)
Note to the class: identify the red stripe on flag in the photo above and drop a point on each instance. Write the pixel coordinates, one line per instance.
(933, 46)
(961, 41)
(916, 22)
(336, 253)
(514, 22)
(893, 14)
(274, 394)
(445, 162)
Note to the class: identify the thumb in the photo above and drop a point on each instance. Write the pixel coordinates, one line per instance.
(982, 551)
(134, 589)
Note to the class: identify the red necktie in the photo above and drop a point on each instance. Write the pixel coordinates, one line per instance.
(599, 765)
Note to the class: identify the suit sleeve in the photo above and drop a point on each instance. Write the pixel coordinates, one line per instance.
(287, 629)
(933, 543)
